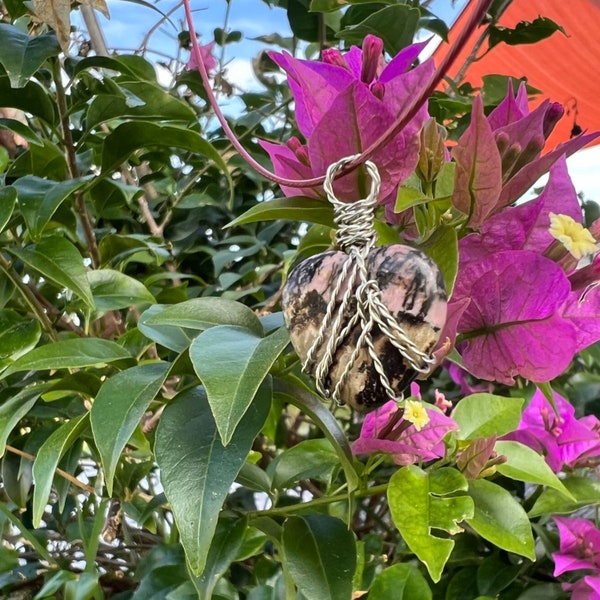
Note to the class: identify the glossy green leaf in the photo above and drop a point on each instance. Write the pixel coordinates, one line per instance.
(500, 519)
(22, 55)
(40, 198)
(320, 554)
(8, 198)
(420, 502)
(484, 415)
(156, 103)
(118, 408)
(495, 573)
(47, 460)
(57, 259)
(15, 408)
(170, 336)
(18, 335)
(294, 391)
(135, 66)
(232, 362)
(309, 459)
(396, 25)
(20, 129)
(294, 208)
(197, 470)
(130, 136)
(31, 98)
(442, 247)
(113, 290)
(524, 464)
(584, 490)
(69, 354)
(401, 581)
(224, 548)
(203, 313)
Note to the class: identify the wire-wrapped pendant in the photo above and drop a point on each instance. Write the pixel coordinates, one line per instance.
(364, 320)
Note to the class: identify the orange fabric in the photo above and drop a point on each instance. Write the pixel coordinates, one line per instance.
(565, 69)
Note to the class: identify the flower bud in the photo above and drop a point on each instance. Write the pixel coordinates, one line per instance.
(301, 151)
(378, 89)
(552, 117)
(333, 56)
(371, 55)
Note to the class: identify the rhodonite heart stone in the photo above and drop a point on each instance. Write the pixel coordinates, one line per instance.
(412, 288)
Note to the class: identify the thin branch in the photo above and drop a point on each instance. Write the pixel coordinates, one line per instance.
(86, 222)
(29, 297)
(62, 473)
(474, 21)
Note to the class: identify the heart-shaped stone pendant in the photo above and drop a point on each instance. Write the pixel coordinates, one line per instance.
(411, 287)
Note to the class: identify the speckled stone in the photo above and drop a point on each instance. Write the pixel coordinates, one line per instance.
(411, 287)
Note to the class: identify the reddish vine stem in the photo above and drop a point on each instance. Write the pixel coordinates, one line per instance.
(475, 19)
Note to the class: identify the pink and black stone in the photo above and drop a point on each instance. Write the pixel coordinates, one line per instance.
(412, 288)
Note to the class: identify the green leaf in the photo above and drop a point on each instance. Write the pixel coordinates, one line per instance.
(113, 290)
(8, 198)
(18, 335)
(420, 502)
(32, 98)
(294, 208)
(496, 573)
(524, 32)
(69, 354)
(525, 464)
(224, 548)
(171, 337)
(320, 554)
(132, 65)
(232, 362)
(15, 408)
(396, 25)
(156, 104)
(309, 459)
(47, 460)
(22, 55)
(197, 470)
(500, 519)
(21, 129)
(442, 247)
(118, 408)
(484, 415)
(294, 391)
(400, 582)
(57, 259)
(203, 313)
(40, 198)
(585, 491)
(128, 137)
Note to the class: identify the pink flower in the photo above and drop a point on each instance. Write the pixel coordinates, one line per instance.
(524, 292)
(210, 62)
(563, 440)
(579, 546)
(587, 588)
(385, 430)
(499, 157)
(343, 105)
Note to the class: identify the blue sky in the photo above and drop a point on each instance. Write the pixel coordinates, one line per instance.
(130, 22)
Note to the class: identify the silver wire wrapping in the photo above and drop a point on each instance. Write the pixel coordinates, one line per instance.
(356, 236)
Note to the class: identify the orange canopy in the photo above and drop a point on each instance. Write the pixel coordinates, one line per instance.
(565, 68)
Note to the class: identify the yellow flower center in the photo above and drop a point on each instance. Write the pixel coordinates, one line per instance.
(415, 413)
(574, 236)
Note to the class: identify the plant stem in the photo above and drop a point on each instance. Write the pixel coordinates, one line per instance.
(29, 297)
(62, 473)
(323, 501)
(86, 223)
